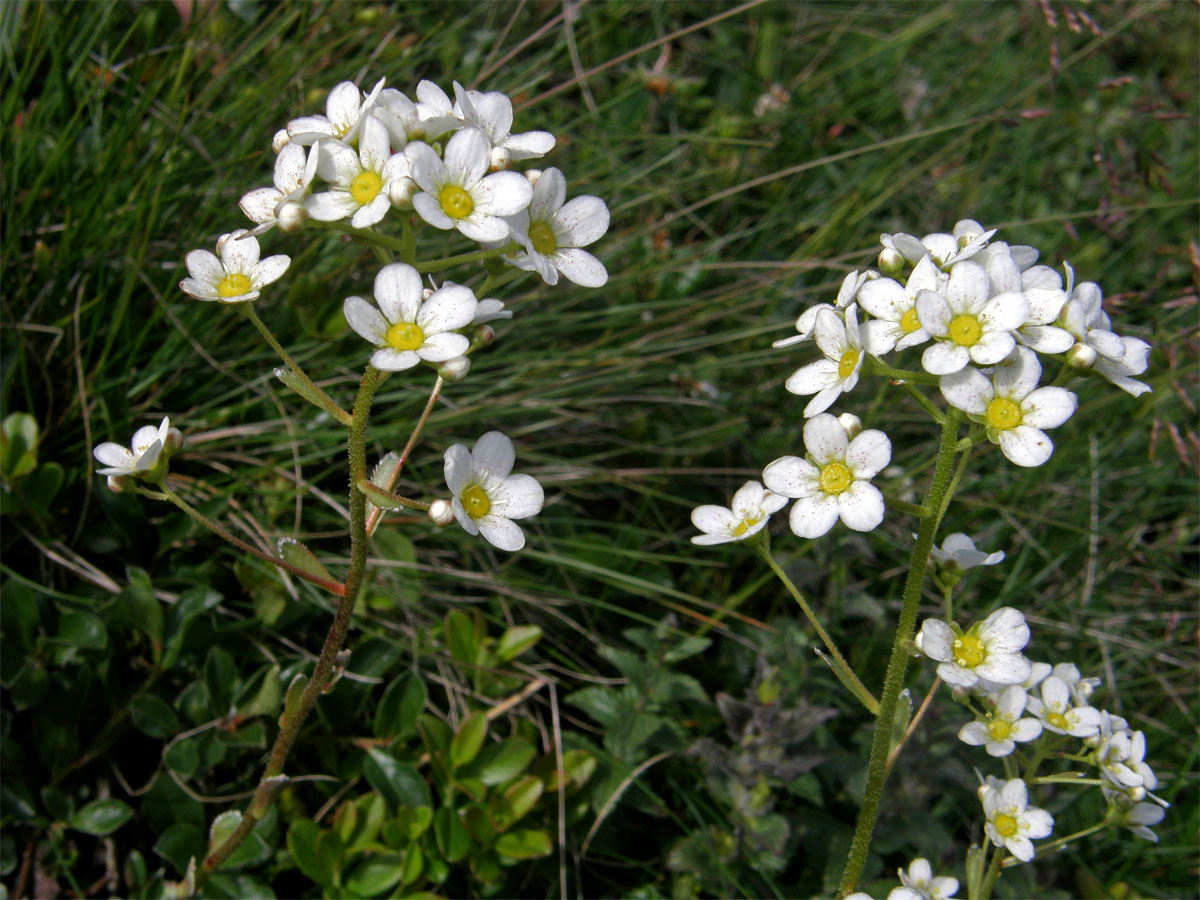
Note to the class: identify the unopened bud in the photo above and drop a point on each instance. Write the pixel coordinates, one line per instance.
(960, 695)
(281, 140)
(441, 513)
(401, 191)
(852, 424)
(891, 263)
(291, 216)
(426, 293)
(484, 336)
(174, 440)
(532, 176)
(1137, 794)
(1082, 356)
(455, 369)
(116, 483)
(501, 159)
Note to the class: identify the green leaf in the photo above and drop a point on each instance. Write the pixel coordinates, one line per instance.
(82, 630)
(452, 838)
(375, 876)
(601, 703)
(478, 822)
(220, 676)
(399, 707)
(385, 470)
(377, 496)
(262, 694)
(101, 817)
(461, 637)
(294, 692)
(302, 845)
(517, 640)
(42, 486)
(524, 844)
(183, 758)
(223, 826)
(515, 802)
(179, 844)
(414, 821)
(500, 762)
(688, 646)
(18, 446)
(398, 783)
(137, 606)
(192, 603)
(414, 863)
(28, 688)
(468, 740)
(297, 554)
(152, 716)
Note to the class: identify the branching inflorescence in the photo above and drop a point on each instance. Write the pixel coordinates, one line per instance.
(985, 321)
(433, 166)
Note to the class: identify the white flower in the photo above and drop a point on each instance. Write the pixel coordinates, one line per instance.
(1037, 673)
(486, 497)
(958, 553)
(237, 276)
(920, 878)
(1137, 817)
(1096, 346)
(1081, 688)
(1003, 725)
(361, 182)
(834, 481)
(751, 507)
(429, 118)
(1059, 714)
(294, 172)
(842, 343)
(407, 327)
(345, 112)
(1012, 406)
(489, 310)
(968, 239)
(896, 893)
(492, 113)
(807, 321)
(989, 649)
(1043, 288)
(967, 324)
(141, 458)
(1121, 758)
(553, 231)
(1011, 822)
(894, 307)
(458, 193)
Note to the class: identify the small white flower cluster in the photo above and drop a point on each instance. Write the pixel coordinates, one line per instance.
(144, 459)
(992, 676)
(918, 883)
(984, 314)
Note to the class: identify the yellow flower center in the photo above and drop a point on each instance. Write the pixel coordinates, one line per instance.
(969, 651)
(365, 187)
(456, 202)
(1002, 413)
(848, 363)
(744, 525)
(1058, 720)
(405, 336)
(234, 285)
(999, 729)
(835, 478)
(1005, 824)
(542, 237)
(965, 330)
(476, 502)
(909, 321)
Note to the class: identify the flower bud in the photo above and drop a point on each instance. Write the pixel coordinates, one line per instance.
(174, 440)
(532, 176)
(483, 337)
(455, 369)
(401, 191)
(280, 140)
(441, 513)
(852, 424)
(116, 483)
(501, 159)
(291, 216)
(1082, 356)
(1137, 793)
(891, 263)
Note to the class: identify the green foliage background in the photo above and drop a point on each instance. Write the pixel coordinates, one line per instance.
(128, 137)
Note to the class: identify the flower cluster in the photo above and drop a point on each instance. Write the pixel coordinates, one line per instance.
(918, 883)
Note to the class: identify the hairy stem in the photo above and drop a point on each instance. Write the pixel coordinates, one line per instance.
(270, 784)
(935, 499)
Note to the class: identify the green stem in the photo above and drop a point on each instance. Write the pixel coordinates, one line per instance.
(319, 397)
(838, 663)
(912, 509)
(924, 402)
(376, 514)
(993, 872)
(334, 587)
(408, 243)
(873, 366)
(436, 265)
(898, 663)
(270, 784)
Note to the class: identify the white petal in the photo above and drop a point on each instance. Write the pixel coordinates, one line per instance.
(812, 517)
(464, 520)
(331, 206)
(884, 299)
(482, 228)
(868, 453)
(517, 497)
(493, 455)
(366, 320)
(114, 455)
(968, 390)
(530, 144)
(398, 292)
(204, 267)
(388, 359)
(1048, 407)
(259, 204)
(450, 307)
(431, 211)
(790, 476)
(967, 289)
(458, 467)
(581, 221)
(502, 193)
(269, 270)
(933, 312)
(714, 519)
(861, 506)
(974, 733)
(994, 347)
(238, 253)
(374, 145)
(944, 358)
(936, 640)
(1026, 446)
(580, 267)
(466, 158)
(443, 346)
(425, 166)
(1004, 668)
(504, 534)
(373, 212)
(1018, 379)
(337, 163)
(814, 377)
(548, 195)
(825, 438)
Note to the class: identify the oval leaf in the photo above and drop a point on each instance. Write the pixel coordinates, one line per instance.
(452, 838)
(516, 641)
(101, 817)
(222, 827)
(468, 740)
(402, 702)
(397, 783)
(524, 844)
(295, 553)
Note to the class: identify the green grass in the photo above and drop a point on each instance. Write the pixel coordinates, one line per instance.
(127, 139)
